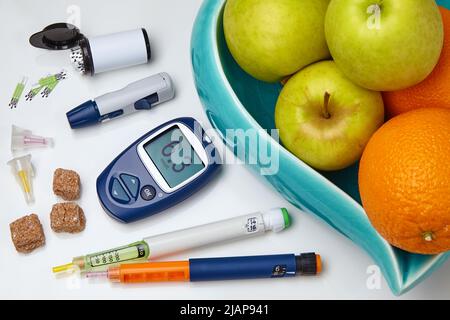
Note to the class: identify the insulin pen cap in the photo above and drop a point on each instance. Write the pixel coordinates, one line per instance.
(276, 219)
(97, 54)
(308, 263)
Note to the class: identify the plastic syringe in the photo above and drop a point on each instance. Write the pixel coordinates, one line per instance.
(154, 247)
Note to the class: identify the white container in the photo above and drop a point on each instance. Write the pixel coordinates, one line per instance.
(119, 50)
(97, 54)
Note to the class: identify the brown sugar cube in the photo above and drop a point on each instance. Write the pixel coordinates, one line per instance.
(27, 233)
(67, 217)
(66, 184)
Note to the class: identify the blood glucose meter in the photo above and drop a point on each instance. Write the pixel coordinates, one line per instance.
(159, 170)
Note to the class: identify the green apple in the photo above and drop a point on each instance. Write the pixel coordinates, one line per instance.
(325, 119)
(385, 45)
(272, 39)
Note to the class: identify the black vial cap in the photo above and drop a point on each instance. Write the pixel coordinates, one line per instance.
(57, 36)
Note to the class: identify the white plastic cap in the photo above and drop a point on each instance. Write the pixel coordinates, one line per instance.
(23, 172)
(22, 139)
(276, 219)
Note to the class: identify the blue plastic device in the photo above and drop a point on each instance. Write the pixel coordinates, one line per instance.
(159, 170)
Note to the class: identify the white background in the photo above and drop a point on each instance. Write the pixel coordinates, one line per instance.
(234, 192)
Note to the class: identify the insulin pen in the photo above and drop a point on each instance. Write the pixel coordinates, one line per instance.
(209, 269)
(182, 240)
(140, 95)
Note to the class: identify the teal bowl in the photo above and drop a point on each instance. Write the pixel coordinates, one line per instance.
(234, 100)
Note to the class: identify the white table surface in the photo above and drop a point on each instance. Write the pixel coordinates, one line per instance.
(236, 191)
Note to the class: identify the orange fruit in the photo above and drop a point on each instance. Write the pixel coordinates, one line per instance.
(433, 92)
(404, 181)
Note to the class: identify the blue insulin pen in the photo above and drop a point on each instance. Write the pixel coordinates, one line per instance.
(209, 269)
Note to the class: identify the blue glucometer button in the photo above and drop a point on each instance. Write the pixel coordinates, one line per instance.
(131, 183)
(160, 169)
(118, 193)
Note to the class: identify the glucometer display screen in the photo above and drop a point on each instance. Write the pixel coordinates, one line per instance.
(174, 156)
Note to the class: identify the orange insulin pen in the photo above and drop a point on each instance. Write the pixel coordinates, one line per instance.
(210, 269)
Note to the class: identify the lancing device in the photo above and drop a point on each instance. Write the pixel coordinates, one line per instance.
(140, 95)
(182, 240)
(213, 269)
